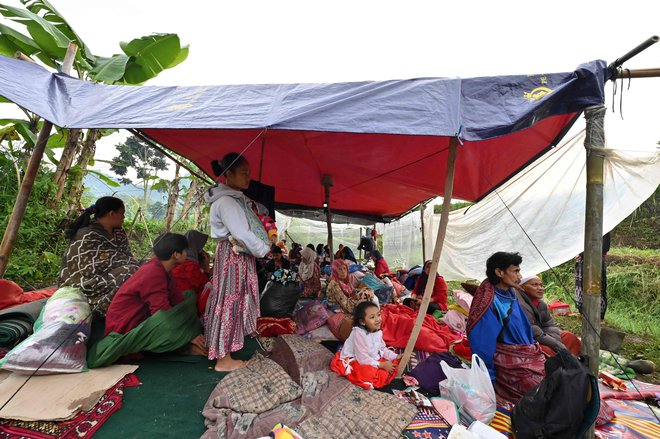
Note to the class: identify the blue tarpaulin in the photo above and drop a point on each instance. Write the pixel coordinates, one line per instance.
(384, 143)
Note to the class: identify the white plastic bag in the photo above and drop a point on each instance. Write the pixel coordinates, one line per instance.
(471, 390)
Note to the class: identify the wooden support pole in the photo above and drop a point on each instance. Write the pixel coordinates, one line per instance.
(593, 238)
(437, 252)
(18, 212)
(421, 214)
(326, 182)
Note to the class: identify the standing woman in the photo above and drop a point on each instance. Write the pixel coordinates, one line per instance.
(98, 259)
(233, 305)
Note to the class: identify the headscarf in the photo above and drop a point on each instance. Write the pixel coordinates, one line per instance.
(306, 268)
(376, 254)
(196, 242)
(346, 284)
(423, 278)
(348, 255)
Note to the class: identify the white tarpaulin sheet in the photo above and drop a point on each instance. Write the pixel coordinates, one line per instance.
(548, 201)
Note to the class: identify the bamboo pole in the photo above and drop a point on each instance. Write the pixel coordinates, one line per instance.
(18, 212)
(437, 252)
(593, 238)
(636, 73)
(23, 57)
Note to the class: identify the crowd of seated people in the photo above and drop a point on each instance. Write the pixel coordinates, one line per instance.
(509, 326)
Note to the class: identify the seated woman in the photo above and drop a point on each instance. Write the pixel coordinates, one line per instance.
(193, 273)
(439, 296)
(310, 273)
(98, 259)
(347, 254)
(342, 289)
(499, 332)
(549, 336)
(381, 264)
(295, 254)
(149, 313)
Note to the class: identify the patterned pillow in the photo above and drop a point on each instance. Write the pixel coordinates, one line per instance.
(311, 316)
(258, 387)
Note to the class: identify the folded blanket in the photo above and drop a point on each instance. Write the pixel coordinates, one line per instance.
(315, 402)
(16, 322)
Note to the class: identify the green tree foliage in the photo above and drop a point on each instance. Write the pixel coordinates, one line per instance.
(49, 34)
(145, 160)
(46, 37)
(40, 244)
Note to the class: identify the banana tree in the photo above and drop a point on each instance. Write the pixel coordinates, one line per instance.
(47, 38)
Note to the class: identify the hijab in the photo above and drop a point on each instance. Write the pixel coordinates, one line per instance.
(196, 242)
(345, 284)
(306, 268)
(347, 254)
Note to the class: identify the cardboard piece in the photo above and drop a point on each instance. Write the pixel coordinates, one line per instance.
(56, 397)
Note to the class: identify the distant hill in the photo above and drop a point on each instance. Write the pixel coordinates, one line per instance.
(95, 188)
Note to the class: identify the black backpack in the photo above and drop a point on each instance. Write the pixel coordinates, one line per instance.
(563, 405)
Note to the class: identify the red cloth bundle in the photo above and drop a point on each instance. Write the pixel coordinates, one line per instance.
(273, 326)
(398, 322)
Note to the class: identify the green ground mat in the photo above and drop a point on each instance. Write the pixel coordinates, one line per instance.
(169, 402)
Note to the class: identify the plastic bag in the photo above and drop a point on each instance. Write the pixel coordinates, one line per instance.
(61, 330)
(279, 300)
(471, 390)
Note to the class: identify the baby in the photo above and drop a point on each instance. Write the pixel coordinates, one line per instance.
(268, 223)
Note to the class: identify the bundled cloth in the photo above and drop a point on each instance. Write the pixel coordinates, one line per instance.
(382, 291)
(164, 331)
(58, 344)
(398, 322)
(11, 294)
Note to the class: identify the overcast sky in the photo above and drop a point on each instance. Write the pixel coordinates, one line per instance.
(311, 41)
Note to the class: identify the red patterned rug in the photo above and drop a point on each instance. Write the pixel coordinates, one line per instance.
(85, 424)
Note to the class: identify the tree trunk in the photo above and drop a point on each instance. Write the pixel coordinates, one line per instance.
(70, 151)
(75, 187)
(190, 197)
(199, 207)
(172, 199)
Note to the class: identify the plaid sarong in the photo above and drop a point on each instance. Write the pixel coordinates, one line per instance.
(518, 368)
